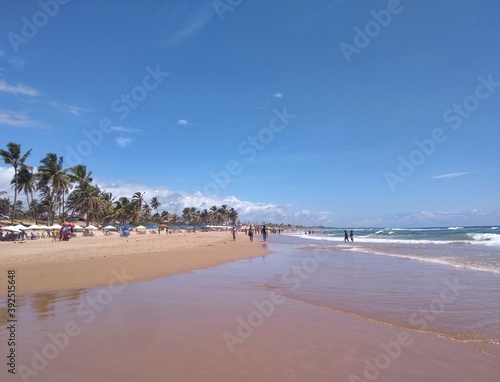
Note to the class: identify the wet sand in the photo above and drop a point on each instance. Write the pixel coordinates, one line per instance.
(84, 262)
(218, 324)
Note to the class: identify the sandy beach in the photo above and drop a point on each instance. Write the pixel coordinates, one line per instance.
(85, 262)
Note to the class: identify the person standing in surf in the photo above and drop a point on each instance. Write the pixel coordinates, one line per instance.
(346, 236)
(264, 232)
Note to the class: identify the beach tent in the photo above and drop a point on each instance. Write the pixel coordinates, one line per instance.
(11, 228)
(91, 228)
(110, 227)
(141, 227)
(152, 226)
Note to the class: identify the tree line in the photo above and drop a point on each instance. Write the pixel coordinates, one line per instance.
(55, 192)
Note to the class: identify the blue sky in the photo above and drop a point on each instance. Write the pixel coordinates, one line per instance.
(341, 113)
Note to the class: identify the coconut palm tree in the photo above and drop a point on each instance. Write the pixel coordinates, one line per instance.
(124, 210)
(137, 201)
(26, 181)
(155, 203)
(86, 199)
(13, 157)
(53, 175)
(204, 216)
(223, 213)
(233, 216)
(165, 217)
(81, 177)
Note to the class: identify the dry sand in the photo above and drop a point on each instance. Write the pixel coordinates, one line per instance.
(84, 262)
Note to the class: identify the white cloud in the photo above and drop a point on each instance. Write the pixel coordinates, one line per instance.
(17, 62)
(278, 95)
(249, 212)
(183, 122)
(72, 109)
(451, 175)
(6, 175)
(122, 129)
(18, 119)
(190, 24)
(18, 89)
(123, 142)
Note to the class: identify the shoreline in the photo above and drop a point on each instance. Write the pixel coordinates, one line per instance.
(88, 262)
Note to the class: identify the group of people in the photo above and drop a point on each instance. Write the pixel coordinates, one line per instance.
(255, 230)
(346, 236)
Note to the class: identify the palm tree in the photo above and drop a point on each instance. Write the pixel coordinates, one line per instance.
(146, 210)
(81, 177)
(223, 213)
(204, 216)
(124, 209)
(27, 182)
(155, 203)
(56, 178)
(87, 201)
(164, 217)
(13, 157)
(137, 201)
(233, 216)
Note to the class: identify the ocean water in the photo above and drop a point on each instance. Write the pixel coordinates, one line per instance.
(442, 281)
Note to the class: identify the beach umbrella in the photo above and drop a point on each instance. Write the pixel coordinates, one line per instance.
(91, 228)
(110, 227)
(43, 227)
(141, 227)
(55, 226)
(77, 227)
(33, 226)
(20, 226)
(67, 224)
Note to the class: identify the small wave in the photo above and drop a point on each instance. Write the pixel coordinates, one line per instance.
(489, 239)
(495, 227)
(455, 228)
(447, 261)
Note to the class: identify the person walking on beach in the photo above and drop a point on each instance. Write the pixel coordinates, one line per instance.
(234, 233)
(250, 233)
(264, 232)
(346, 236)
(352, 236)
